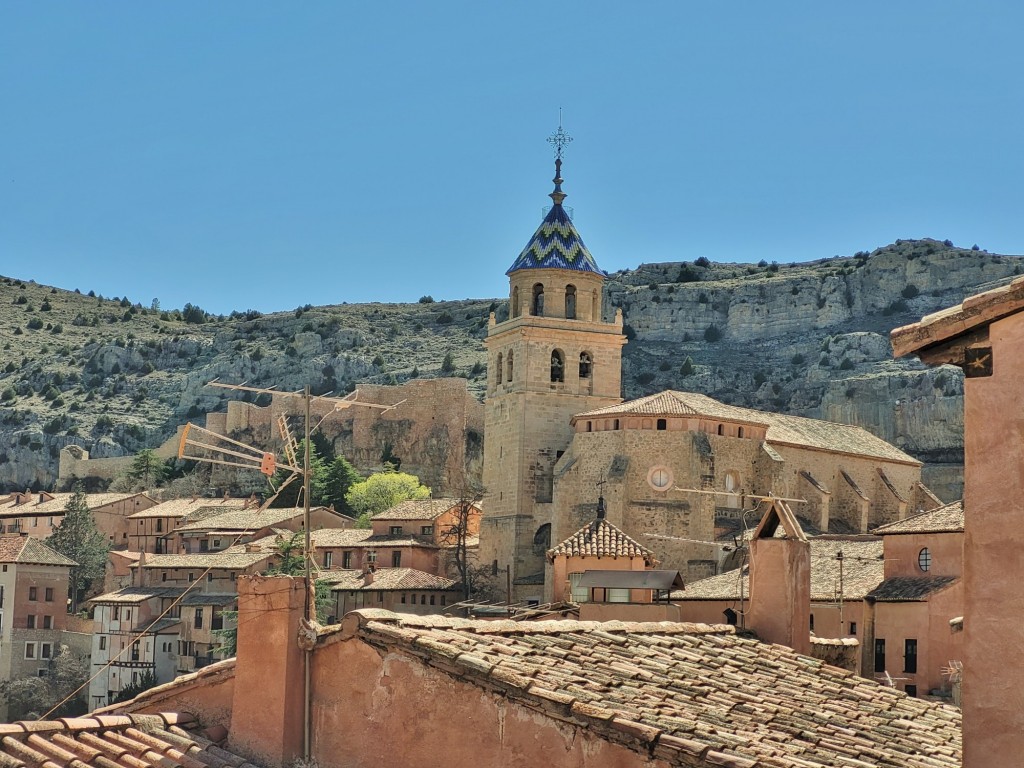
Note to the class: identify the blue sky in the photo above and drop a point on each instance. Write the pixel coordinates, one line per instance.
(266, 155)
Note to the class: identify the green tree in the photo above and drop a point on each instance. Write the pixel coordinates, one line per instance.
(382, 491)
(147, 470)
(29, 698)
(78, 538)
(339, 477)
(146, 681)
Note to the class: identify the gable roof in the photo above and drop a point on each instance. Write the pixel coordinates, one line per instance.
(15, 548)
(909, 588)
(187, 506)
(600, 539)
(418, 509)
(863, 567)
(134, 595)
(945, 519)
(231, 560)
(249, 519)
(55, 503)
(685, 694)
(386, 579)
(974, 313)
(340, 537)
(782, 429)
(108, 740)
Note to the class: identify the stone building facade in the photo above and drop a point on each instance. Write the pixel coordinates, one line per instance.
(553, 357)
(677, 469)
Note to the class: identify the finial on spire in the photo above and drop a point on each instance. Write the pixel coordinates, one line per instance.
(559, 140)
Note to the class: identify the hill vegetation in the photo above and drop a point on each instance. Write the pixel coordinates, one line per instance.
(115, 376)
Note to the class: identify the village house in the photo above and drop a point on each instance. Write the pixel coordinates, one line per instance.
(843, 570)
(153, 529)
(907, 629)
(227, 529)
(203, 616)
(33, 606)
(417, 534)
(610, 576)
(677, 465)
(625, 694)
(37, 514)
(403, 590)
(984, 336)
(135, 632)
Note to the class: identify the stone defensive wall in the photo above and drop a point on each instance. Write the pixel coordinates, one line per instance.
(74, 463)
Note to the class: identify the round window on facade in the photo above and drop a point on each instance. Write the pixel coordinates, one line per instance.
(924, 559)
(660, 478)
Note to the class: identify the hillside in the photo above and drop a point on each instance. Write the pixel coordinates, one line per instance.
(809, 339)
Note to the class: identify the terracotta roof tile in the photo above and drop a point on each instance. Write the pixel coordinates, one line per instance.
(691, 694)
(783, 429)
(862, 572)
(137, 594)
(227, 560)
(138, 741)
(945, 519)
(909, 588)
(340, 537)
(417, 509)
(55, 503)
(386, 579)
(189, 506)
(600, 539)
(246, 519)
(15, 548)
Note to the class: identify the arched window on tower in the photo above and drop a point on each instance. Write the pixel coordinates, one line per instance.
(508, 376)
(570, 302)
(585, 365)
(557, 366)
(501, 362)
(515, 301)
(537, 305)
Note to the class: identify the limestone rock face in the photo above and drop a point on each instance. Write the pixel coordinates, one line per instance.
(809, 339)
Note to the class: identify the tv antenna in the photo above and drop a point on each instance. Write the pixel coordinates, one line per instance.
(230, 452)
(215, 448)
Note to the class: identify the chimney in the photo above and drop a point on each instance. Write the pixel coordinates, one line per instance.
(780, 580)
(252, 548)
(137, 572)
(267, 707)
(368, 576)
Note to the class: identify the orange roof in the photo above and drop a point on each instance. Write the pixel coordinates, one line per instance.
(106, 740)
(600, 539)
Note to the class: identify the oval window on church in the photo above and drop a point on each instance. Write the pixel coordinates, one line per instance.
(924, 559)
(660, 478)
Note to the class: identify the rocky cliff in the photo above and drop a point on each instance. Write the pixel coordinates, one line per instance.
(812, 339)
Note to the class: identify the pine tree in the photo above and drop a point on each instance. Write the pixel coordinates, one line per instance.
(337, 479)
(78, 538)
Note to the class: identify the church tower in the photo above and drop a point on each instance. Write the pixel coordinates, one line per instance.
(552, 358)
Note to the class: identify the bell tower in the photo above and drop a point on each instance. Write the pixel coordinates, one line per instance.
(552, 358)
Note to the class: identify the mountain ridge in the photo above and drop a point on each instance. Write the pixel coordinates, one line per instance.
(807, 338)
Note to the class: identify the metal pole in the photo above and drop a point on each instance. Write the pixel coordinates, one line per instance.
(839, 557)
(508, 588)
(310, 601)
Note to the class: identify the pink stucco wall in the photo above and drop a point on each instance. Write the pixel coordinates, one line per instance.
(371, 706)
(993, 682)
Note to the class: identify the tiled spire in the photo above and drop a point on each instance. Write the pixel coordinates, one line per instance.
(556, 244)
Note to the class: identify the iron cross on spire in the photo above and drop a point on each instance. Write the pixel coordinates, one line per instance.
(559, 139)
